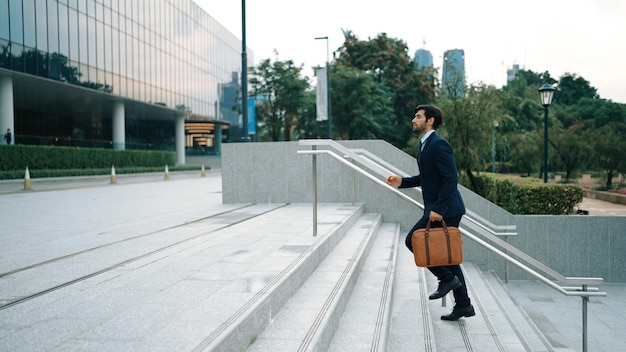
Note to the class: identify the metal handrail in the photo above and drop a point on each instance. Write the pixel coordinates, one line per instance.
(479, 229)
(383, 168)
(584, 291)
(482, 226)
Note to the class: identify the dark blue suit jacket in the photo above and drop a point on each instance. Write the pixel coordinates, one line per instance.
(438, 178)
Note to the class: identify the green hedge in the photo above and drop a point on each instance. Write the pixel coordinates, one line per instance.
(521, 196)
(18, 157)
(52, 161)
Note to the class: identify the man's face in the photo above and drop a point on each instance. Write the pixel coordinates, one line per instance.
(419, 122)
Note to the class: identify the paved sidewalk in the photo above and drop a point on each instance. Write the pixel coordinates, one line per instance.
(602, 208)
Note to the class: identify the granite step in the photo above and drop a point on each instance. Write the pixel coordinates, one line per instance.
(309, 318)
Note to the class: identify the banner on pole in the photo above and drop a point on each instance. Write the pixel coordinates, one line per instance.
(322, 95)
(251, 116)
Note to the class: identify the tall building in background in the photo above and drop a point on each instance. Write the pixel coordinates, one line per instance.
(511, 72)
(117, 74)
(423, 58)
(453, 75)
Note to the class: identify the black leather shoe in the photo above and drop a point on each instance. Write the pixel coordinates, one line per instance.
(445, 287)
(460, 312)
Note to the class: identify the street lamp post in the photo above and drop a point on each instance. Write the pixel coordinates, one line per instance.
(493, 147)
(546, 92)
(330, 119)
(245, 136)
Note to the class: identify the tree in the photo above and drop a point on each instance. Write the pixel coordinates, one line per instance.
(520, 101)
(526, 155)
(592, 113)
(568, 147)
(387, 61)
(573, 88)
(610, 147)
(361, 107)
(468, 123)
(308, 127)
(280, 89)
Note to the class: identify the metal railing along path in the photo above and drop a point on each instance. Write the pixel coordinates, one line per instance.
(474, 228)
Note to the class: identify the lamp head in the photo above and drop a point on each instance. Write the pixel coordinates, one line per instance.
(546, 93)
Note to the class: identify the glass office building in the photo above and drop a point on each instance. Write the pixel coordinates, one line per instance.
(453, 75)
(423, 58)
(122, 74)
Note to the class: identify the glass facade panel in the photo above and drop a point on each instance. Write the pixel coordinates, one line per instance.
(100, 53)
(115, 19)
(108, 51)
(4, 20)
(100, 64)
(91, 8)
(30, 27)
(53, 27)
(17, 57)
(73, 35)
(41, 24)
(82, 6)
(99, 11)
(123, 55)
(92, 42)
(83, 35)
(17, 33)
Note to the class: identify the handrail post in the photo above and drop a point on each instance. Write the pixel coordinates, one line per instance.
(314, 168)
(506, 263)
(353, 186)
(585, 300)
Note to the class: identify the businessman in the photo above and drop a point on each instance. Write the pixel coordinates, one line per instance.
(438, 178)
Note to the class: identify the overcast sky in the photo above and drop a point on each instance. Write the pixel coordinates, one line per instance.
(584, 37)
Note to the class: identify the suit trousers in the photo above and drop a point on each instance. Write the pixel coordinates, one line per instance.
(444, 273)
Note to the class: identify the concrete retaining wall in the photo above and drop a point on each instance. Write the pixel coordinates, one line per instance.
(606, 196)
(573, 245)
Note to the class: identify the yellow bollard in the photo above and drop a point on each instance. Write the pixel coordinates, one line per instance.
(167, 173)
(113, 178)
(27, 185)
(202, 173)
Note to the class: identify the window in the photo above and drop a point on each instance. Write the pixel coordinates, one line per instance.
(42, 25)
(82, 39)
(4, 20)
(53, 27)
(30, 39)
(74, 36)
(17, 35)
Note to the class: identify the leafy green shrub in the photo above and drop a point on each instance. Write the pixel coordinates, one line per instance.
(520, 195)
(53, 161)
(18, 157)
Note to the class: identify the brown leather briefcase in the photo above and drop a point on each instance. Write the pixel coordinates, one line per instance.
(437, 246)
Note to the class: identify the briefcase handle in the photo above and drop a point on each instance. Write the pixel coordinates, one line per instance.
(445, 227)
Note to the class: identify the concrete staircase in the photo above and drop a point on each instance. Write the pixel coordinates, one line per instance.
(355, 288)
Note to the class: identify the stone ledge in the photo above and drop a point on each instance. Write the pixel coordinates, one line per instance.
(606, 196)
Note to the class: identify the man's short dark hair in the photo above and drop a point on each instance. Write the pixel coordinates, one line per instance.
(431, 111)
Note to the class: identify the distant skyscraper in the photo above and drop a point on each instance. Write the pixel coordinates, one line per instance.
(511, 72)
(423, 58)
(453, 76)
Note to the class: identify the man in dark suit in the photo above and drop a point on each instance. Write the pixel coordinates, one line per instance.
(438, 178)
